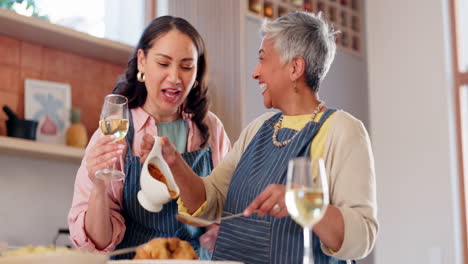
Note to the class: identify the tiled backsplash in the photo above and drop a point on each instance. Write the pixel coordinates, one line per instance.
(90, 79)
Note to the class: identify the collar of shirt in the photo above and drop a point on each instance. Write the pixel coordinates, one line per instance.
(142, 119)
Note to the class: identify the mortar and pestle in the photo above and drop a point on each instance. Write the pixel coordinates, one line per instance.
(19, 128)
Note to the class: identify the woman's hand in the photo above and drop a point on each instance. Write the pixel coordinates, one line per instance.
(208, 239)
(146, 146)
(102, 155)
(270, 201)
(169, 151)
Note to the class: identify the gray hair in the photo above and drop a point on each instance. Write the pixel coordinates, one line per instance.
(306, 35)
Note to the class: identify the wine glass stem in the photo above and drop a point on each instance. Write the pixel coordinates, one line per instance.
(308, 250)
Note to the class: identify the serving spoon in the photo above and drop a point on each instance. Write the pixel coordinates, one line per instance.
(124, 251)
(201, 222)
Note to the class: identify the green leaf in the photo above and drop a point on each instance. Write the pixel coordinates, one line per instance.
(32, 4)
(8, 4)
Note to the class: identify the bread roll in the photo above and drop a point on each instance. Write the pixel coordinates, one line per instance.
(166, 248)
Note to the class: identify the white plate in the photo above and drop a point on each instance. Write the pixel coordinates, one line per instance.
(170, 261)
(56, 258)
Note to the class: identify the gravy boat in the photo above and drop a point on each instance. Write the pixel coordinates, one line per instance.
(156, 180)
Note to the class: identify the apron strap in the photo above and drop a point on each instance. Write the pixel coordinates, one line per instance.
(306, 150)
(130, 133)
(325, 115)
(272, 120)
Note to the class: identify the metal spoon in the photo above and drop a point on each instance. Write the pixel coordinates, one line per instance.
(124, 251)
(201, 222)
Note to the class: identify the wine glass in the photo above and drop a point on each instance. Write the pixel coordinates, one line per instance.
(307, 197)
(113, 121)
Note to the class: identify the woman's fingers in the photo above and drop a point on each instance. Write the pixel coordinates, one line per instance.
(104, 145)
(148, 141)
(97, 149)
(275, 205)
(270, 201)
(110, 148)
(106, 160)
(103, 154)
(168, 150)
(105, 140)
(257, 203)
(279, 209)
(146, 146)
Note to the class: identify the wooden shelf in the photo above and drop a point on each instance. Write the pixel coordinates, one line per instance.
(342, 14)
(34, 149)
(55, 36)
(254, 15)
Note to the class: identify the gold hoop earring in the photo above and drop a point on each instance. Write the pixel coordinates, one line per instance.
(140, 76)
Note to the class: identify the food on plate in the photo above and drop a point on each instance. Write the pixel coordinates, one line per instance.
(156, 173)
(51, 255)
(34, 250)
(166, 248)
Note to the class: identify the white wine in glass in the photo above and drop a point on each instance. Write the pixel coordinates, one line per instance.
(113, 121)
(307, 197)
(116, 127)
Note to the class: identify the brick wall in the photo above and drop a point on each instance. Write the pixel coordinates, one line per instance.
(90, 79)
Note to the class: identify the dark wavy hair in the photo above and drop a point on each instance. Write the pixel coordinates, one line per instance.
(196, 102)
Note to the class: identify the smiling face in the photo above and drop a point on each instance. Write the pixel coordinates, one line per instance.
(271, 74)
(170, 68)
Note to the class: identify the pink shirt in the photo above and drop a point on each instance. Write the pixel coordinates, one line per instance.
(143, 124)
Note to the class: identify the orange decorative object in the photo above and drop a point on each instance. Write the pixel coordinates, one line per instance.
(76, 134)
(268, 11)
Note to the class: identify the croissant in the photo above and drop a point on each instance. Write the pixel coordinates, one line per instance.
(166, 248)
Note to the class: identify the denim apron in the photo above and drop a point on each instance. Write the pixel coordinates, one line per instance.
(266, 240)
(142, 225)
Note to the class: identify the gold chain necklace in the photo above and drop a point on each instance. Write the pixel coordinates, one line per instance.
(277, 127)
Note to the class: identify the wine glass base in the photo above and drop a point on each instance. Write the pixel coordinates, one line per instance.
(110, 174)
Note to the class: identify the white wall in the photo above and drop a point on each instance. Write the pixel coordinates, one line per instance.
(252, 95)
(35, 196)
(412, 128)
(218, 24)
(345, 86)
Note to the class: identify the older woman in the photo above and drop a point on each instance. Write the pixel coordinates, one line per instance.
(295, 55)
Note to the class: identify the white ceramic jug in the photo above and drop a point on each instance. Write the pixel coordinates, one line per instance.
(154, 194)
